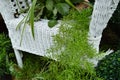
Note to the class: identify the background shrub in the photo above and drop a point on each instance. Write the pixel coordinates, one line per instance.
(5, 50)
(109, 67)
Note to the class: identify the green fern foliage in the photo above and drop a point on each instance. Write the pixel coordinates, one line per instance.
(72, 50)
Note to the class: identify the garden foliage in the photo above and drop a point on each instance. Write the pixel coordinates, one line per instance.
(109, 67)
(72, 50)
(52, 10)
(5, 49)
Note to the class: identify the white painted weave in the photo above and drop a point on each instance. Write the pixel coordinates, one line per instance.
(43, 37)
(102, 12)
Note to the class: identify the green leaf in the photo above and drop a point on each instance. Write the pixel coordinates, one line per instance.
(63, 8)
(118, 59)
(71, 4)
(39, 14)
(49, 4)
(55, 12)
(24, 22)
(52, 23)
(32, 17)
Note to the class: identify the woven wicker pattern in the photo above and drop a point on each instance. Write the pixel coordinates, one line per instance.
(39, 45)
(102, 12)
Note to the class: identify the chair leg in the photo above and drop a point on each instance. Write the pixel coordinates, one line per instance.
(94, 42)
(18, 55)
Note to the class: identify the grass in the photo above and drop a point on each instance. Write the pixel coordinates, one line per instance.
(33, 65)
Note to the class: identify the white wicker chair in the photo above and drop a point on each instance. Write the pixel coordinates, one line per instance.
(43, 34)
(103, 10)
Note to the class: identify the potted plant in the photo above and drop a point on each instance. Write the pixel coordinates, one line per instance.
(52, 10)
(15, 14)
